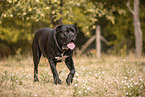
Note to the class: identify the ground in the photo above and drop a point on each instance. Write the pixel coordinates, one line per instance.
(112, 76)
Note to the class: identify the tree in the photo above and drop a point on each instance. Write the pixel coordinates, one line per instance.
(23, 15)
(68, 12)
(137, 28)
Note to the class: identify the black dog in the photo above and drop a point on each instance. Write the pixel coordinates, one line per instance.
(56, 45)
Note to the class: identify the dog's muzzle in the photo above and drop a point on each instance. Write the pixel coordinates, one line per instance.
(72, 37)
(70, 41)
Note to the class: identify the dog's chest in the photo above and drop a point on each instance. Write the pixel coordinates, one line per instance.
(62, 57)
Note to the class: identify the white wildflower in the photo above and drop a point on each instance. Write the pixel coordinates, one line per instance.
(95, 74)
(77, 74)
(108, 82)
(136, 83)
(90, 72)
(88, 88)
(141, 79)
(127, 93)
(74, 78)
(131, 85)
(128, 86)
(76, 85)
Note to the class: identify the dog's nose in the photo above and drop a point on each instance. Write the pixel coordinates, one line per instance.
(72, 37)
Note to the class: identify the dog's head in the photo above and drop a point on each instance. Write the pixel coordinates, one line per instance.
(66, 36)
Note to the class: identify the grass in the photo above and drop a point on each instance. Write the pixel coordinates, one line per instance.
(110, 76)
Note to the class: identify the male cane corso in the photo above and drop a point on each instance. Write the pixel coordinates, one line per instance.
(56, 45)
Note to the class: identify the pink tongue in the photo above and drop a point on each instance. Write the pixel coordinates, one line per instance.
(71, 45)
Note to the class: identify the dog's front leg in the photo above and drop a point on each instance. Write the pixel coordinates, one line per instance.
(54, 71)
(70, 64)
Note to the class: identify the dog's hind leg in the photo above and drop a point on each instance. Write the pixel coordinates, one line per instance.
(36, 58)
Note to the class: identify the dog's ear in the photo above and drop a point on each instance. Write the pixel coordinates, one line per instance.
(58, 28)
(76, 28)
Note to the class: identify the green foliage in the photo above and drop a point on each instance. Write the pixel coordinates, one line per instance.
(21, 18)
(15, 34)
(120, 35)
(142, 20)
(69, 11)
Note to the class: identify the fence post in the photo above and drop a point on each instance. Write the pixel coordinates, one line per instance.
(98, 41)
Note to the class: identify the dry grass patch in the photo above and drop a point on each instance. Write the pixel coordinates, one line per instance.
(110, 76)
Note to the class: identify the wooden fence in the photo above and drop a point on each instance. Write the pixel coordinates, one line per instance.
(98, 39)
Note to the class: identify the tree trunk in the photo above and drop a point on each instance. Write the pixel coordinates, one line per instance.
(137, 28)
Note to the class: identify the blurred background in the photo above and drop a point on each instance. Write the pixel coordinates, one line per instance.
(122, 24)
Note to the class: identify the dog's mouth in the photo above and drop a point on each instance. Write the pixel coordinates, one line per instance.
(69, 45)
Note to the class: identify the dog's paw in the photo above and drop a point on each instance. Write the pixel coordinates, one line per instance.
(57, 81)
(36, 80)
(69, 81)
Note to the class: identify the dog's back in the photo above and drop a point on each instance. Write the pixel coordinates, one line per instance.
(40, 40)
(42, 34)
